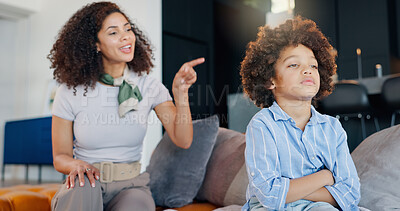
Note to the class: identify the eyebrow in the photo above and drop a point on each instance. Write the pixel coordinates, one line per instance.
(112, 27)
(295, 56)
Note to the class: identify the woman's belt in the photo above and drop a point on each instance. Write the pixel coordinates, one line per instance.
(110, 171)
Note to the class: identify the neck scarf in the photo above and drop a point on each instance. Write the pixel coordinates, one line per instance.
(128, 96)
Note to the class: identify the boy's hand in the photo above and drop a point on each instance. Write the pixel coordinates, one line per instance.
(330, 180)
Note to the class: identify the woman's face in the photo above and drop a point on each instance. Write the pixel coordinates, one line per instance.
(116, 40)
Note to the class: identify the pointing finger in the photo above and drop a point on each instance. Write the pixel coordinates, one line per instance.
(195, 62)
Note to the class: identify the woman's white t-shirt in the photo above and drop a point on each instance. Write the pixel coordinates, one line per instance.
(99, 133)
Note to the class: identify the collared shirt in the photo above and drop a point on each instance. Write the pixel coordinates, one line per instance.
(277, 151)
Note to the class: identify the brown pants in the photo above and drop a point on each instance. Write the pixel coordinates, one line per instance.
(132, 194)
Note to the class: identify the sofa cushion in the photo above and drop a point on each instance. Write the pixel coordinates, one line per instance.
(5, 204)
(226, 179)
(176, 174)
(378, 167)
(27, 200)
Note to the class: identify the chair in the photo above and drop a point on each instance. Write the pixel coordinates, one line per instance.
(28, 142)
(349, 100)
(391, 96)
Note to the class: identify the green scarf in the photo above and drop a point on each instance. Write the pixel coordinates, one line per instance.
(129, 94)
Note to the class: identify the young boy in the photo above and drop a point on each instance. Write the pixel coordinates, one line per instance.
(297, 158)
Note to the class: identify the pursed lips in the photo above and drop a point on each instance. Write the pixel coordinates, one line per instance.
(308, 81)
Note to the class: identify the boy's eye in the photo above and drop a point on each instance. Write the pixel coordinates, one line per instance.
(129, 29)
(314, 67)
(113, 33)
(293, 65)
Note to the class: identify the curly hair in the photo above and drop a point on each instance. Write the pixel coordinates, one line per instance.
(258, 66)
(74, 55)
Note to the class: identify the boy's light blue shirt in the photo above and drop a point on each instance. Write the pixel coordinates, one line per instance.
(277, 151)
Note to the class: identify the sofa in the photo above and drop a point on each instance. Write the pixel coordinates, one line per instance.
(38, 198)
(217, 177)
(211, 174)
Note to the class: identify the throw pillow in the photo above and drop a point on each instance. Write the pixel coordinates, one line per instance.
(176, 174)
(378, 167)
(226, 179)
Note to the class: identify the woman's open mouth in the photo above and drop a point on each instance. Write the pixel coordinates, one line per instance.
(126, 49)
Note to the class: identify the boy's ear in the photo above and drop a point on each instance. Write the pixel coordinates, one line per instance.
(272, 86)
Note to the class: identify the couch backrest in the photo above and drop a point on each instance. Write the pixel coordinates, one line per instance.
(226, 179)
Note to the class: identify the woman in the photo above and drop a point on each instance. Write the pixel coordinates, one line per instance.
(101, 61)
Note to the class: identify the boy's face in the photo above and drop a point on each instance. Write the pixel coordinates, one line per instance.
(297, 77)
